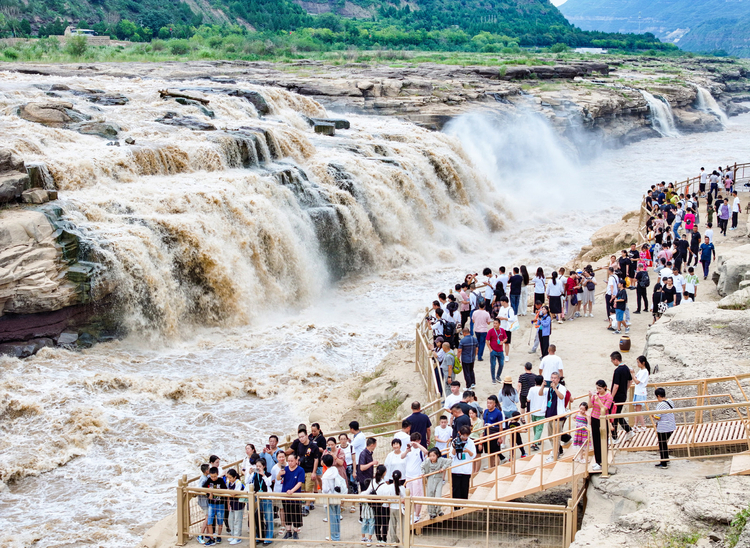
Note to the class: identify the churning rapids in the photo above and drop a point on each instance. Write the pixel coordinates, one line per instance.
(257, 272)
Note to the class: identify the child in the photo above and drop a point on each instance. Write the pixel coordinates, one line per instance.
(236, 505)
(367, 515)
(215, 506)
(581, 420)
(435, 463)
(515, 422)
(261, 482)
(443, 434)
(203, 500)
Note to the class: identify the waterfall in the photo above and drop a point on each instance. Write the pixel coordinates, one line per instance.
(662, 118)
(706, 103)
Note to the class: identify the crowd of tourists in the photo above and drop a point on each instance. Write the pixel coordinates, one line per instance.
(477, 313)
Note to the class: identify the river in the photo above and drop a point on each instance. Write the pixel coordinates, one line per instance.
(94, 440)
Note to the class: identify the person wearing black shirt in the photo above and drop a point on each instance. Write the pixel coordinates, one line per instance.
(624, 262)
(525, 381)
(621, 302)
(642, 283)
(682, 247)
(420, 423)
(215, 505)
(320, 440)
(695, 243)
(459, 419)
(634, 256)
(308, 454)
(668, 292)
(621, 381)
(366, 465)
(516, 283)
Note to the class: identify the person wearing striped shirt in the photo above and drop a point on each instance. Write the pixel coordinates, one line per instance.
(665, 425)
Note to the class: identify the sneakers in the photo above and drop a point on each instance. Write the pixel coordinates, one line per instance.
(549, 459)
(532, 351)
(287, 535)
(627, 330)
(200, 539)
(325, 520)
(295, 536)
(617, 332)
(615, 441)
(305, 512)
(210, 542)
(596, 468)
(235, 541)
(591, 315)
(312, 507)
(494, 381)
(218, 540)
(661, 466)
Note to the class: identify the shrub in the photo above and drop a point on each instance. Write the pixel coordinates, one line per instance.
(158, 45)
(76, 46)
(179, 47)
(10, 54)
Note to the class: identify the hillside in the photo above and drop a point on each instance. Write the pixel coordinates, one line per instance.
(474, 25)
(694, 25)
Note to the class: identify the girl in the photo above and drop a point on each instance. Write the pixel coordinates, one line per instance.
(601, 403)
(377, 487)
(394, 488)
(367, 516)
(581, 437)
(524, 300)
(589, 291)
(435, 463)
(640, 378)
(555, 290)
(540, 286)
(645, 257)
(544, 325)
(477, 431)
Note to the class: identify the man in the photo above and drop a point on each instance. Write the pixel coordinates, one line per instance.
(503, 278)
(454, 397)
(405, 433)
(611, 293)
(356, 447)
(366, 465)
(308, 455)
(525, 382)
(538, 408)
(215, 506)
(516, 283)
(679, 285)
(707, 251)
(551, 364)
(459, 419)
(320, 440)
(506, 317)
(723, 215)
(496, 338)
(469, 347)
(683, 246)
(621, 381)
(736, 210)
(709, 233)
(555, 408)
(702, 184)
(420, 424)
(642, 281)
(447, 362)
(665, 425)
(714, 182)
(293, 480)
(463, 452)
(621, 302)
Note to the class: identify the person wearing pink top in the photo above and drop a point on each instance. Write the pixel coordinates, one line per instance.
(600, 403)
(482, 323)
(689, 220)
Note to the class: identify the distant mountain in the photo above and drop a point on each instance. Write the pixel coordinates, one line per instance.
(694, 25)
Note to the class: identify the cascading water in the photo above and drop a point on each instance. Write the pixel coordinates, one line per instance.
(706, 102)
(662, 118)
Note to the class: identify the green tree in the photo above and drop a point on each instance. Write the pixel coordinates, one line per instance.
(76, 46)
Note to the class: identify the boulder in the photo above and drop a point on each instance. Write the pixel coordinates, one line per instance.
(199, 106)
(34, 196)
(731, 268)
(107, 99)
(258, 101)
(101, 129)
(12, 184)
(190, 122)
(19, 349)
(67, 337)
(338, 123)
(10, 161)
(54, 114)
(325, 128)
(739, 300)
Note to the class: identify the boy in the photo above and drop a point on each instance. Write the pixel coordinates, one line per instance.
(621, 301)
(691, 284)
(525, 382)
(203, 500)
(215, 505)
(443, 434)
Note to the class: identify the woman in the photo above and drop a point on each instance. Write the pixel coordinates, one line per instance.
(348, 452)
(555, 290)
(339, 458)
(464, 304)
(524, 301)
(613, 263)
(668, 292)
(640, 378)
(589, 290)
(394, 461)
(477, 430)
(689, 220)
(493, 418)
(508, 398)
(540, 286)
(572, 285)
(378, 487)
(665, 425)
(394, 488)
(600, 403)
(656, 300)
(544, 326)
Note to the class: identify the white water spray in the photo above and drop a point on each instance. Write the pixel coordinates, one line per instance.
(706, 103)
(662, 118)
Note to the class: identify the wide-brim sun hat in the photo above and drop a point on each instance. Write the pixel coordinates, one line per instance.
(508, 380)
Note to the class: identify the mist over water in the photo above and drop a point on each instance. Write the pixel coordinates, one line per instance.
(249, 324)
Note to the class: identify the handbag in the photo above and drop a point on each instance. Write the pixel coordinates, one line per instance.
(663, 307)
(574, 299)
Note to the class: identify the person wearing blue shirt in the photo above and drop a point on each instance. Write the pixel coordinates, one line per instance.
(544, 325)
(293, 479)
(707, 250)
(493, 418)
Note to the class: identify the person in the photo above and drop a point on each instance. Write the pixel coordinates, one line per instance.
(640, 378)
(601, 404)
(493, 419)
(581, 436)
(463, 452)
(555, 290)
(589, 291)
(405, 433)
(621, 381)
(332, 484)
(515, 282)
(524, 302)
(736, 210)
(477, 431)
(380, 511)
(708, 251)
(665, 425)
(348, 456)
(358, 445)
(482, 323)
(293, 481)
(394, 461)
(634, 256)
(316, 434)
(260, 480)
(308, 454)
(540, 285)
(517, 441)
(572, 298)
(551, 363)
(367, 517)
(433, 464)
(453, 398)
(544, 327)
(443, 434)
(394, 488)
(276, 485)
(497, 338)
(203, 500)
(709, 233)
(724, 216)
(642, 282)
(507, 318)
(668, 292)
(555, 407)
(525, 382)
(413, 455)
(691, 284)
(695, 242)
(464, 302)
(621, 302)
(447, 363)
(459, 419)
(508, 398)
(420, 423)
(339, 459)
(215, 506)
(469, 348)
(367, 464)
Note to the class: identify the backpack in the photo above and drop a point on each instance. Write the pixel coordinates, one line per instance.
(480, 301)
(449, 328)
(339, 482)
(457, 367)
(645, 280)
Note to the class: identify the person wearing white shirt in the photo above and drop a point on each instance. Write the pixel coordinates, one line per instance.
(550, 364)
(358, 444)
(709, 233)
(703, 181)
(405, 434)
(506, 317)
(609, 296)
(413, 456)
(537, 407)
(503, 279)
(394, 460)
(679, 285)
(454, 397)
(736, 210)
(640, 379)
(462, 465)
(443, 434)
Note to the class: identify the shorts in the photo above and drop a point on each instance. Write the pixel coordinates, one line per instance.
(479, 447)
(368, 526)
(639, 397)
(293, 512)
(493, 446)
(203, 503)
(588, 296)
(319, 471)
(215, 511)
(620, 315)
(508, 334)
(309, 483)
(415, 487)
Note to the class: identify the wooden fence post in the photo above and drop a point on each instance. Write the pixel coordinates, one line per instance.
(406, 520)
(603, 426)
(180, 513)
(570, 524)
(629, 406)
(251, 514)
